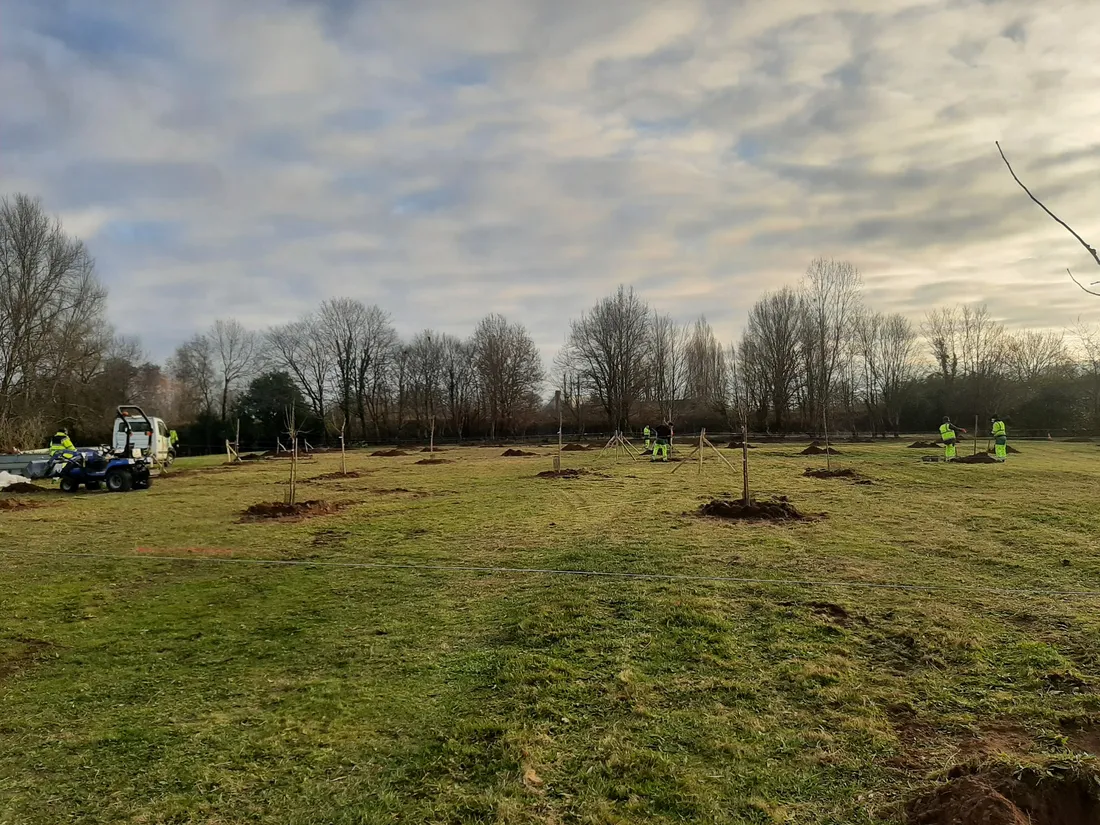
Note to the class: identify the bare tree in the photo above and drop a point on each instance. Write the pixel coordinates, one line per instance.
(942, 330)
(53, 333)
(459, 377)
(509, 369)
(611, 346)
(1032, 356)
(377, 346)
(983, 358)
(831, 302)
(1062, 223)
(192, 368)
(706, 371)
(234, 349)
(668, 367)
(770, 351)
(1088, 342)
(897, 366)
(341, 323)
(426, 380)
(298, 349)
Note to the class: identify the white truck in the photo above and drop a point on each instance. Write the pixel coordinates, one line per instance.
(156, 440)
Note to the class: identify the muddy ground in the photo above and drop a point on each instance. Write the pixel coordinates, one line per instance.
(779, 509)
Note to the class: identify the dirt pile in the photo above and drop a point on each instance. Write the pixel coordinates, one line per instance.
(435, 461)
(925, 445)
(22, 487)
(817, 449)
(562, 474)
(1012, 450)
(18, 504)
(436, 450)
(516, 454)
(737, 445)
(779, 509)
(575, 448)
(847, 473)
(281, 511)
(977, 458)
(389, 453)
(253, 456)
(336, 475)
(999, 797)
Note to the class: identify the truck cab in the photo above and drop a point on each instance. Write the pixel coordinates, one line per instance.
(156, 441)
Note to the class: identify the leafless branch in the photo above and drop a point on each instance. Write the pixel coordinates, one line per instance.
(1067, 227)
(1085, 288)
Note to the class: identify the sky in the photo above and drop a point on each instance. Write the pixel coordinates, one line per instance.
(448, 159)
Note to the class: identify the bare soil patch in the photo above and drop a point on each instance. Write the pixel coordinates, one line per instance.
(977, 458)
(435, 461)
(925, 445)
(1008, 448)
(333, 476)
(779, 509)
(18, 504)
(436, 450)
(571, 473)
(817, 449)
(26, 652)
(281, 511)
(576, 448)
(23, 487)
(846, 473)
(516, 454)
(737, 445)
(389, 453)
(1000, 797)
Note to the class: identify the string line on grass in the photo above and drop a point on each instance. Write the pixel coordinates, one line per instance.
(546, 571)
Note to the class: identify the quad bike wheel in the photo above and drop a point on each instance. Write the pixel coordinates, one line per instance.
(68, 485)
(119, 481)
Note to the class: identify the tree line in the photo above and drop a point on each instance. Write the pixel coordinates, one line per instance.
(812, 356)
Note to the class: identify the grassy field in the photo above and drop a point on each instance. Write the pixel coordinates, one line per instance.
(206, 688)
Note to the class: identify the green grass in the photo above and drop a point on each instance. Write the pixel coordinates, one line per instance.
(145, 690)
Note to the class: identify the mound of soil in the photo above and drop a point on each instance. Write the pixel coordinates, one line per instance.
(436, 450)
(925, 445)
(999, 797)
(389, 453)
(435, 461)
(847, 472)
(562, 474)
(18, 504)
(1012, 450)
(977, 458)
(516, 454)
(336, 475)
(255, 456)
(22, 487)
(575, 448)
(778, 510)
(280, 510)
(737, 445)
(814, 449)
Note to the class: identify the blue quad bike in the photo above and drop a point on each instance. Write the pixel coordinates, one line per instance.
(119, 472)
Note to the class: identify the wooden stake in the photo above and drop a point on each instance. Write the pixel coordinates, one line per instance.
(745, 462)
(975, 433)
(828, 452)
(702, 439)
(343, 452)
(557, 403)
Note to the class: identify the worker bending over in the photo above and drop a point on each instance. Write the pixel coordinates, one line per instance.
(60, 443)
(1000, 437)
(664, 440)
(948, 433)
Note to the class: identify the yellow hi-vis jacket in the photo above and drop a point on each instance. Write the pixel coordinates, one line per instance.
(947, 433)
(60, 442)
(999, 430)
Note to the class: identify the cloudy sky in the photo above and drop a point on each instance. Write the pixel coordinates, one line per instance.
(447, 158)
